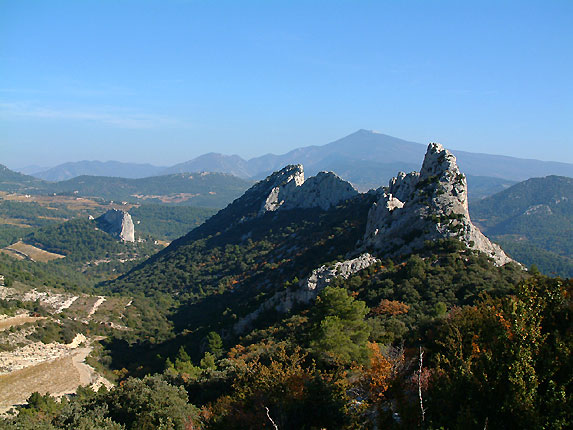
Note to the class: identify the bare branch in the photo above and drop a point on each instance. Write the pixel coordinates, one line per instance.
(420, 384)
(271, 420)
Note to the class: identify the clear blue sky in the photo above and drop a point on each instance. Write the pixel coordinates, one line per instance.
(164, 81)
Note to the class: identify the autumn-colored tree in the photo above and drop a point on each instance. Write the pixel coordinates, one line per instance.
(296, 394)
(390, 307)
(496, 361)
(376, 376)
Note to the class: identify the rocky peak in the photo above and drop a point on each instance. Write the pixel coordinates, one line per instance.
(324, 190)
(403, 185)
(283, 190)
(287, 189)
(282, 185)
(429, 205)
(117, 223)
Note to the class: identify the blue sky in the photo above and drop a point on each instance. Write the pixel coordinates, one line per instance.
(164, 81)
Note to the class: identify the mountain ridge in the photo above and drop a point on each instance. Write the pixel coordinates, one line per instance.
(361, 148)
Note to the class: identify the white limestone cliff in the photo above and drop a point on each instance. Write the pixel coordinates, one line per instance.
(431, 205)
(118, 223)
(291, 191)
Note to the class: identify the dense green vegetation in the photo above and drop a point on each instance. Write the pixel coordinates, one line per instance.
(534, 221)
(139, 404)
(165, 222)
(168, 222)
(550, 263)
(505, 360)
(50, 275)
(442, 339)
(214, 190)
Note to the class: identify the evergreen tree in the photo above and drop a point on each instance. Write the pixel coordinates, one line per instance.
(340, 330)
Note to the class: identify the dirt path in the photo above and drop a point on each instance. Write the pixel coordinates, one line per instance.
(58, 377)
(96, 305)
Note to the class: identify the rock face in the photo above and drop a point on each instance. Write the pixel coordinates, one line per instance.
(307, 290)
(291, 191)
(429, 205)
(117, 223)
(287, 189)
(279, 187)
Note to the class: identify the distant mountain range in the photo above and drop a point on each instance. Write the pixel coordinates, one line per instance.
(98, 168)
(365, 158)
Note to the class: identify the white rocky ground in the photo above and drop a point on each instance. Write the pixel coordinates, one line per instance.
(54, 301)
(96, 305)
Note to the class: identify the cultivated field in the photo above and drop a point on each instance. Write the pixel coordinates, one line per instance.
(22, 250)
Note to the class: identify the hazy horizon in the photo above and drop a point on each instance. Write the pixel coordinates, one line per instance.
(46, 167)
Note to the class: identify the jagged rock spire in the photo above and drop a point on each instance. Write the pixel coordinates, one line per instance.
(429, 205)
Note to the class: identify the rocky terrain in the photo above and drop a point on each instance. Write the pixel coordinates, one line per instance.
(425, 206)
(289, 190)
(308, 289)
(415, 208)
(118, 223)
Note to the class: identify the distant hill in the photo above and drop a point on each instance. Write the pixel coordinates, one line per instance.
(11, 181)
(366, 145)
(366, 158)
(212, 162)
(32, 169)
(213, 190)
(98, 168)
(533, 221)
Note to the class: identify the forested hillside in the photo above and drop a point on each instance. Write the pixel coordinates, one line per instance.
(533, 221)
(280, 313)
(213, 190)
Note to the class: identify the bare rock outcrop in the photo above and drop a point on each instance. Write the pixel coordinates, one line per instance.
(324, 190)
(117, 223)
(291, 191)
(429, 205)
(307, 290)
(284, 190)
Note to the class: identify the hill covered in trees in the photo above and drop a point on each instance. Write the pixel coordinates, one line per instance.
(204, 189)
(280, 313)
(533, 221)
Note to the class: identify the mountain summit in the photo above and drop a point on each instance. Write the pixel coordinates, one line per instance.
(283, 190)
(428, 205)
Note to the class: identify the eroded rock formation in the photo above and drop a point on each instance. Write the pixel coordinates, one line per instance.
(429, 205)
(117, 223)
(291, 191)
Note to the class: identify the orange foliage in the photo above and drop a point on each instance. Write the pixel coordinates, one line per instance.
(390, 307)
(377, 376)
